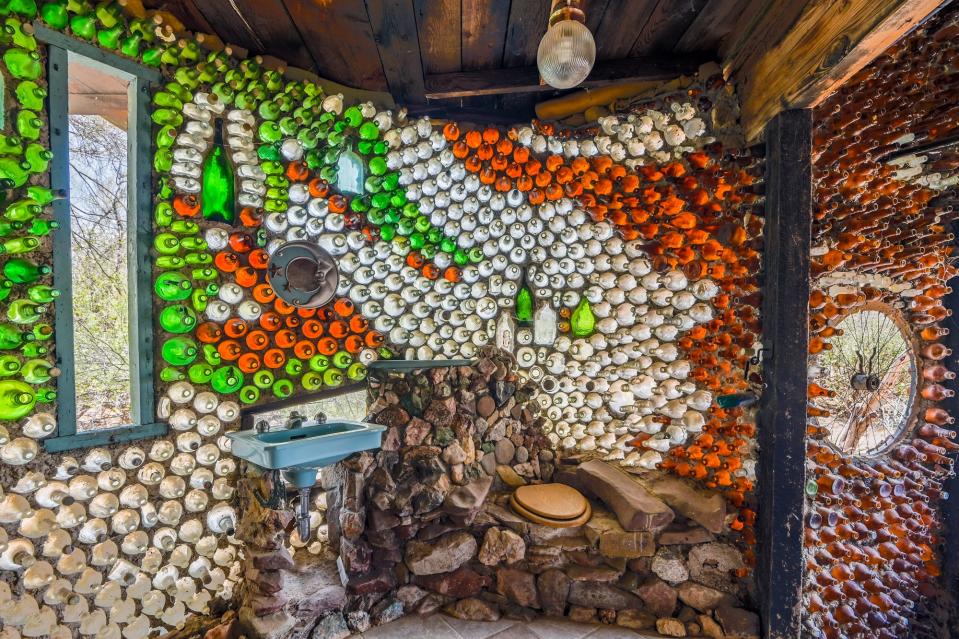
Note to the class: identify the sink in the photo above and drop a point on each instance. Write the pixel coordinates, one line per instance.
(300, 452)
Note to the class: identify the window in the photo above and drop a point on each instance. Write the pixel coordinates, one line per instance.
(100, 137)
(348, 402)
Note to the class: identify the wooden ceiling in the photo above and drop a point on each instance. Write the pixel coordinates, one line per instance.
(443, 51)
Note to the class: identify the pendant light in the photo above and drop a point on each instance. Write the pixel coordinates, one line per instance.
(567, 51)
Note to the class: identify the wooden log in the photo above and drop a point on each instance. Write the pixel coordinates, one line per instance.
(526, 79)
(826, 44)
(782, 417)
(636, 508)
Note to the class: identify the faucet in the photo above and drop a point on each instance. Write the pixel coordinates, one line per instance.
(295, 420)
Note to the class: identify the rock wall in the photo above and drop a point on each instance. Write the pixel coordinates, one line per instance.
(425, 523)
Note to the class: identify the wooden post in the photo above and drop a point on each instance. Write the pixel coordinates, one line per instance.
(782, 416)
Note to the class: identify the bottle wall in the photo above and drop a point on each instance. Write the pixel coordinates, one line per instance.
(618, 263)
(883, 236)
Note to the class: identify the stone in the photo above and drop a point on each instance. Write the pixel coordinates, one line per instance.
(440, 412)
(591, 594)
(605, 531)
(737, 623)
(707, 508)
(322, 601)
(331, 627)
(358, 620)
(581, 614)
(469, 498)
(279, 559)
(473, 609)
(393, 416)
(669, 565)
(275, 626)
(352, 523)
(387, 611)
(500, 544)
(518, 586)
(703, 598)
(462, 582)
(504, 451)
(635, 507)
(431, 603)
(485, 406)
(376, 581)
(522, 454)
(594, 573)
(659, 597)
(686, 537)
(710, 628)
(454, 454)
(391, 440)
(636, 619)
(410, 595)
(445, 554)
(509, 476)
(553, 586)
(711, 564)
(670, 627)
(488, 462)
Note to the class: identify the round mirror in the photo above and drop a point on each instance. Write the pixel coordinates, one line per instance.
(869, 380)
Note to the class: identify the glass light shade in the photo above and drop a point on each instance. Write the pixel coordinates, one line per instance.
(566, 54)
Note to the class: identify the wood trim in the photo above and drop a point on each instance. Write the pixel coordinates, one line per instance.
(824, 47)
(526, 79)
(782, 416)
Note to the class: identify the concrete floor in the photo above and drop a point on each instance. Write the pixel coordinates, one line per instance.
(443, 627)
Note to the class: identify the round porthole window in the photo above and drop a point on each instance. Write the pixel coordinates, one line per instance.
(869, 379)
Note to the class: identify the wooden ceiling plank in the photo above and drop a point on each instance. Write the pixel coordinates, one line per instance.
(622, 21)
(394, 29)
(527, 24)
(595, 10)
(711, 26)
(526, 79)
(274, 28)
(666, 25)
(484, 33)
(228, 27)
(340, 38)
(186, 10)
(826, 45)
(439, 24)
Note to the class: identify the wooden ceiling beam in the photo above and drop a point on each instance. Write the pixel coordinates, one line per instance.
(526, 79)
(824, 47)
(397, 40)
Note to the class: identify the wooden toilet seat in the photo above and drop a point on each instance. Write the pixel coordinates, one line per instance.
(556, 505)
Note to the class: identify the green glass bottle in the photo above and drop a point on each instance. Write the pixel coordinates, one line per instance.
(524, 304)
(14, 172)
(169, 374)
(20, 244)
(22, 210)
(42, 331)
(356, 372)
(170, 262)
(38, 157)
(42, 294)
(33, 349)
(166, 244)
(16, 399)
(167, 117)
(263, 378)
(24, 311)
(23, 64)
(43, 227)
(582, 322)
(31, 95)
(249, 394)
(109, 14)
(6, 287)
(199, 300)
(172, 287)
(110, 38)
(20, 34)
(55, 14)
(211, 356)
(332, 377)
(9, 365)
(10, 145)
(217, 202)
(319, 363)
(342, 359)
(84, 26)
(282, 388)
(179, 351)
(293, 367)
(29, 125)
(130, 45)
(38, 371)
(227, 379)
(178, 319)
(43, 195)
(312, 380)
(45, 395)
(200, 373)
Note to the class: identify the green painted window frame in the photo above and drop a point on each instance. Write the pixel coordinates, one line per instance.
(139, 239)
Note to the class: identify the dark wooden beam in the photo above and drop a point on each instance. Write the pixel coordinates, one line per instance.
(439, 24)
(666, 25)
(394, 28)
(526, 79)
(527, 23)
(484, 33)
(782, 415)
(622, 21)
(796, 53)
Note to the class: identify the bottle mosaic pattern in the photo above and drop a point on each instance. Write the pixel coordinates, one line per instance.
(883, 235)
(648, 219)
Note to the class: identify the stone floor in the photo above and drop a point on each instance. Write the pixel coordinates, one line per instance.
(444, 627)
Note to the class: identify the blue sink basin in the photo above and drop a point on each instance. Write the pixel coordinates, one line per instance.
(299, 452)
